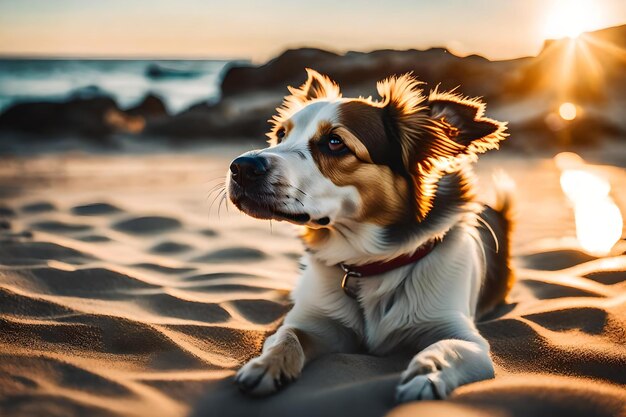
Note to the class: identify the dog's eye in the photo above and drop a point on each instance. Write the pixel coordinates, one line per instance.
(335, 143)
(280, 134)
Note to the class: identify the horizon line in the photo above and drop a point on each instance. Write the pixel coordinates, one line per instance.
(104, 57)
(95, 57)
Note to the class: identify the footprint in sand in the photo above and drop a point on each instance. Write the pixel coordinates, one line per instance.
(163, 269)
(555, 260)
(229, 288)
(98, 283)
(55, 226)
(208, 232)
(147, 225)
(219, 275)
(607, 277)
(94, 238)
(170, 247)
(55, 371)
(238, 254)
(30, 253)
(260, 311)
(590, 320)
(6, 212)
(165, 305)
(95, 209)
(38, 207)
(546, 290)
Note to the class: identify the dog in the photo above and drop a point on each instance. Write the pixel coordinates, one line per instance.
(399, 254)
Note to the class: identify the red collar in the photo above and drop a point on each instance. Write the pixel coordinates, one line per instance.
(377, 268)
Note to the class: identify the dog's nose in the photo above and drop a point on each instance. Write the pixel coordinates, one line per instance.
(248, 169)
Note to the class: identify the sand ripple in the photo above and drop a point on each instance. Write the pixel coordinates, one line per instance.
(82, 334)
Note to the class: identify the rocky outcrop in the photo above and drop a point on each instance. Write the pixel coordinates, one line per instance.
(151, 106)
(206, 121)
(77, 115)
(358, 72)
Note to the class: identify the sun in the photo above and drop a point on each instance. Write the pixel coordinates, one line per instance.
(570, 18)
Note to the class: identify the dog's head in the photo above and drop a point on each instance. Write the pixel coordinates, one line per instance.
(335, 160)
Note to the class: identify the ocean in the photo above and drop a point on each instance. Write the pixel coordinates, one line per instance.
(180, 83)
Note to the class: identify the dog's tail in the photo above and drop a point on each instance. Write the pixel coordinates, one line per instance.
(495, 228)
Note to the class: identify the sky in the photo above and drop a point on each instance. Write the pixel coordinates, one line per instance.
(258, 30)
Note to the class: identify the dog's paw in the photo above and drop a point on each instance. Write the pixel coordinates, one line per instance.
(266, 374)
(423, 379)
(422, 387)
(442, 367)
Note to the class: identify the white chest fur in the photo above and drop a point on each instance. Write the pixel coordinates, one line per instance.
(393, 307)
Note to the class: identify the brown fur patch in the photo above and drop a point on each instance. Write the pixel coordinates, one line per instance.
(365, 123)
(287, 125)
(383, 193)
(402, 136)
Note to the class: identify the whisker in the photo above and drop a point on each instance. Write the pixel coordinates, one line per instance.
(213, 189)
(222, 178)
(220, 205)
(218, 181)
(213, 201)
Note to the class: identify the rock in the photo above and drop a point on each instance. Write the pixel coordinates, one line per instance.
(151, 106)
(204, 121)
(286, 68)
(77, 115)
(158, 71)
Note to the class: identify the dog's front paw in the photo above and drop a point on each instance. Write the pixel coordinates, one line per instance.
(267, 373)
(422, 387)
(423, 379)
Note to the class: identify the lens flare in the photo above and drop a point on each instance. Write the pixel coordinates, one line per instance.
(598, 219)
(598, 226)
(567, 111)
(570, 18)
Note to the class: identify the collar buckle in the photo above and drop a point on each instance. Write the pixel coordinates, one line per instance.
(345, 286)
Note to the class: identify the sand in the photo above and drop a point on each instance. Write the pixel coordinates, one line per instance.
(123, 292)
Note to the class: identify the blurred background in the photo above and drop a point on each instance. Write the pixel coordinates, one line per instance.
(120, 73)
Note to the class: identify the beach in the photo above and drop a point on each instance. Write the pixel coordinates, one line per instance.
(130, 289)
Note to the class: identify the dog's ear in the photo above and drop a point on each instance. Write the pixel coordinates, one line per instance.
(409, 127)
(408, 123)
(462, 121)
(442, 126)
(433, 132)
(316, 86)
